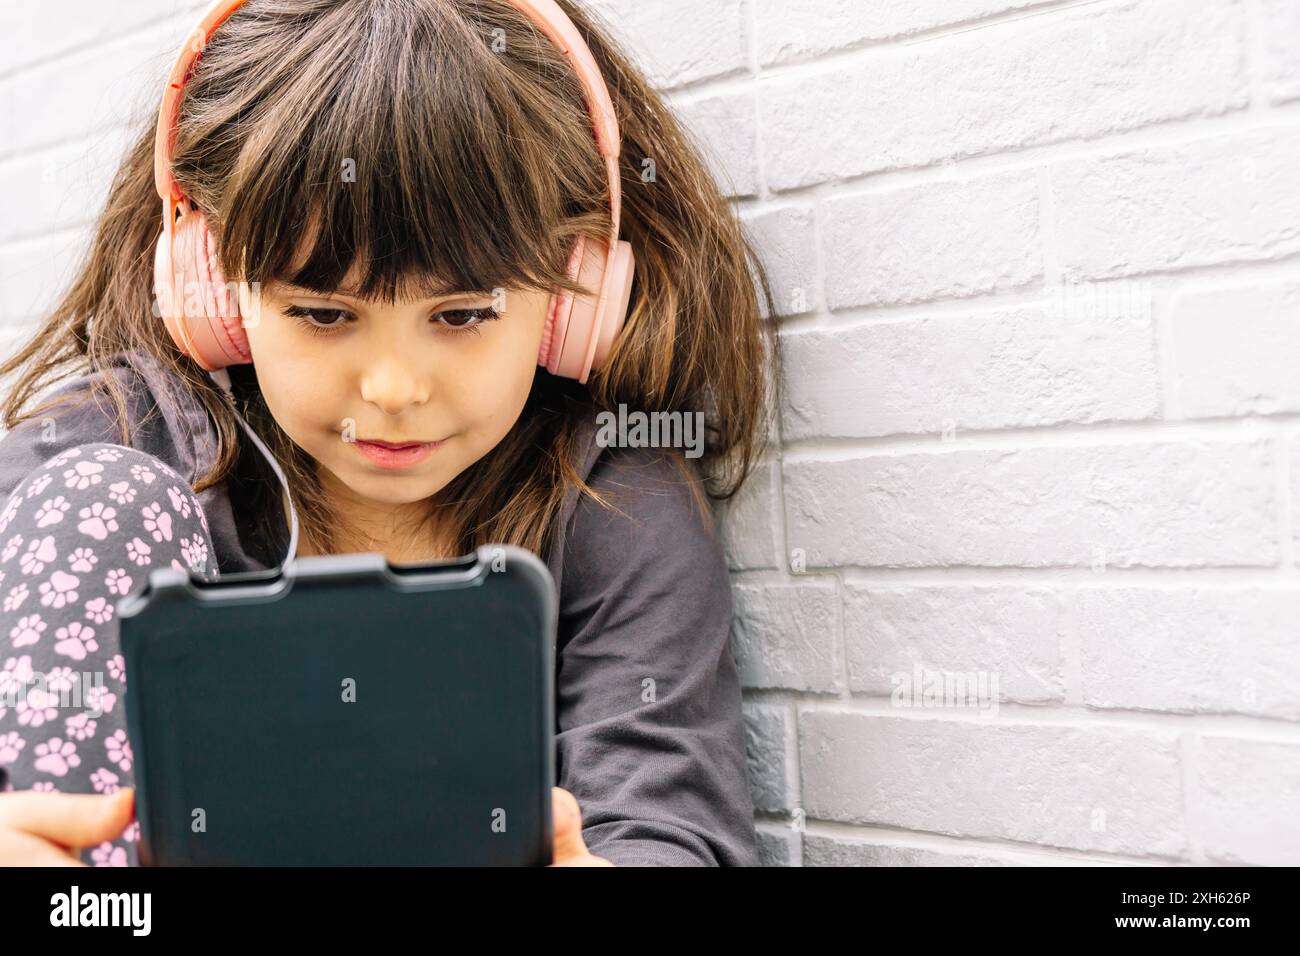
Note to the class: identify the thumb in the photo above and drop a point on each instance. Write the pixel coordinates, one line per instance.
(70, 819)
(568, 825)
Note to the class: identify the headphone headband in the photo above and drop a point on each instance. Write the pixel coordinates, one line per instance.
(546, 15)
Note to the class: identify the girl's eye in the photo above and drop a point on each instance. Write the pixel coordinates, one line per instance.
(313, 319)
(328, 321)
(475, 317)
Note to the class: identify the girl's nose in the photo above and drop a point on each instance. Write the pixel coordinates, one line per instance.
(392, 386)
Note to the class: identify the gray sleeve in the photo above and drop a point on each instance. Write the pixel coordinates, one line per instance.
(650, 736)
(75, 422)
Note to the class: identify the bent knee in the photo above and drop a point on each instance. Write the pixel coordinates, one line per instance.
(105, 503)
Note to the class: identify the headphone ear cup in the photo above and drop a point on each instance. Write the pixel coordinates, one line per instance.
(621, 269)
(212, 333)
(557, 317)
(582, 332)
(164, 290)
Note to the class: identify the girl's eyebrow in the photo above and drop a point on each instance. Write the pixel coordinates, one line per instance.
(292, 289)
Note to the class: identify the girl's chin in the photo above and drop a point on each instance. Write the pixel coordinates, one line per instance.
(390, 487)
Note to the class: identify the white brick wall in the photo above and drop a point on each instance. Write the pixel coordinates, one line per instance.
(74, 74)
(1038, 273)
(1037, 267)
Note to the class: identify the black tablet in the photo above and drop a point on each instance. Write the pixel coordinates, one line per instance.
(345, 712)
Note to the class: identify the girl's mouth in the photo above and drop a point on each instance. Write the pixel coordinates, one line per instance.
(403, 456)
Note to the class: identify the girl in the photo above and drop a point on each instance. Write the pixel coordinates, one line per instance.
(396, 187)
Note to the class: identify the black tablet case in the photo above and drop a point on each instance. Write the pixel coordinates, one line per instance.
(246, 752)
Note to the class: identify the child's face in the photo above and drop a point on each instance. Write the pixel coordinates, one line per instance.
(409, 372)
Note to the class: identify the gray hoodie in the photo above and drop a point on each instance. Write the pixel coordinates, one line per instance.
(644, 596)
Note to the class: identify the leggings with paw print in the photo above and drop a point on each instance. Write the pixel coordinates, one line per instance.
(77, 534)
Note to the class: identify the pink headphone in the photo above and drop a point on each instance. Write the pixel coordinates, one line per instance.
(579, 329)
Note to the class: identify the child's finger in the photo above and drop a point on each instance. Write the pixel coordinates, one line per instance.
(568, 825)
(18, 848)
(68, 819)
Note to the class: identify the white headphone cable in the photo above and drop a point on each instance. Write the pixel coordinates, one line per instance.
(222, 377)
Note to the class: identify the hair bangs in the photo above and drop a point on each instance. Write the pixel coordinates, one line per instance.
(394, 164)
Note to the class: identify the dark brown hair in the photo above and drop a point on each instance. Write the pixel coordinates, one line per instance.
(476, 164)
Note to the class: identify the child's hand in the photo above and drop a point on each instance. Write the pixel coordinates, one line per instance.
(39, 829)
(569, 849)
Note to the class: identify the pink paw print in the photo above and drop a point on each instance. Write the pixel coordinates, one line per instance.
(56, 756)
(61, 680)
(82, 475)
(108, 454)
(83, 559)
(100, 698)
(46, 786)
(121, 492)
(108, 855)
(17, 595)
(118, 581)
(195, 551)
(80, 727)
(105, 781)
(117, 667)
(38, 554)
(28, 630)
(180, 502)
(10, 745)
(11, 509)
(52, 511)
(20, 667)
(11, 548)
(97, 520)
(39, 707)
(75, 641)
(39, 485)
(119, 750)
(132, 833)
(98, 610)
(138, 551)
(141, 473)
(60, 460)
(16, 673)
(59, 589)
(157, 522)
